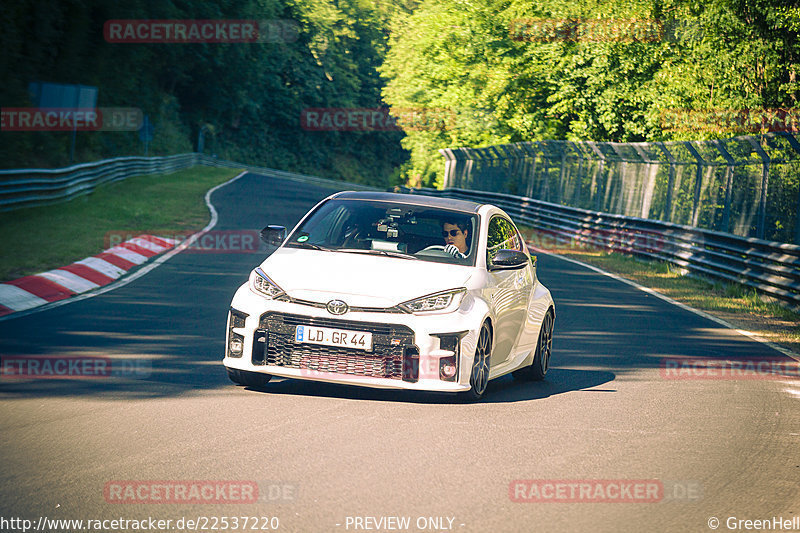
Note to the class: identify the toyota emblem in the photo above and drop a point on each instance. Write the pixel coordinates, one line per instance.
(337, 307)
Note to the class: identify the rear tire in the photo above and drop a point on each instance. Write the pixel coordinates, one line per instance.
(541, 358)
(248, 379)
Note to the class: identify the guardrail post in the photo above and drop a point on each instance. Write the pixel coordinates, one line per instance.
(607, 182)
(726, 213)
(466, 176)
(472, 171)
(492, 168)
(797, 218)
(761, 228)
(561, 175)
(649, 186)
(598, 173)
(487, 168)
(524, 167)
(698, 181)
(545, 188)
(579, 176)
(670, 181)
(517, 167)
(449, 167)
(533, 150)
(499, 162)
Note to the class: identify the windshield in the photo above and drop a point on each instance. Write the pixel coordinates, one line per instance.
(390, 229)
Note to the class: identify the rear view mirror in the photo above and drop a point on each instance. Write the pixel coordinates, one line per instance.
(273, 235)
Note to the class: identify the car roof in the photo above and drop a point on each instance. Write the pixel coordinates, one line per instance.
(415, 199)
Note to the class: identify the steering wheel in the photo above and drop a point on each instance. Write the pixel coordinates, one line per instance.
(351, 235)
(433, 247)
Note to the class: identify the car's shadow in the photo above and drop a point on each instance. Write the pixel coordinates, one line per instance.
(500, 390)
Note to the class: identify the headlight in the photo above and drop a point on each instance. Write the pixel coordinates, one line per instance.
(440, 302)
(260, 283)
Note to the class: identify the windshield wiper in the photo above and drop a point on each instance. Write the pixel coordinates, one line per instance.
(389, 253)
(308, 245)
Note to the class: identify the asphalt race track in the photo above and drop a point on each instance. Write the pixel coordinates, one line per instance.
(324, 456)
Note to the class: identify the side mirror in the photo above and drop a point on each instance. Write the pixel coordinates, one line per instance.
(508, 260)
(274, 235)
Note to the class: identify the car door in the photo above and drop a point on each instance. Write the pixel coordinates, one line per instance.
(509, 289)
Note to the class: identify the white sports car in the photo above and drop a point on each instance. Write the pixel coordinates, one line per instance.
(393, 291)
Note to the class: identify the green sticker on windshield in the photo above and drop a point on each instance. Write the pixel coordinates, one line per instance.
(302, 238)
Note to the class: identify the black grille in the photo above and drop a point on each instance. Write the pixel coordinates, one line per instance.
(390, 344)
(287, 322)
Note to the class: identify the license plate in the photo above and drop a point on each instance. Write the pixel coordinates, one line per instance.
(344, 338)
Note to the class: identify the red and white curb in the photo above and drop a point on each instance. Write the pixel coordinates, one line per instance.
(81, 276)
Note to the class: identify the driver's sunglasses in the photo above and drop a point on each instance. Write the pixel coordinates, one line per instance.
(452, 232)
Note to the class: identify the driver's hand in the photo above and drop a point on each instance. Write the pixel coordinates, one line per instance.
(452, 250)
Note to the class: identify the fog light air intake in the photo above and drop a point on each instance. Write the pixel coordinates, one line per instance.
(235, 345)
(448, 366)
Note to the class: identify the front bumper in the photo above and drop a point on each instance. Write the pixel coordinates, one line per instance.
(406, 354)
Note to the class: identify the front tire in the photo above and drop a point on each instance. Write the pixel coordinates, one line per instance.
(541, 358)
(479, 374)
(248, 379)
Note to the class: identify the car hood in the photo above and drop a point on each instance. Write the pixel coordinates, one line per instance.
(360, 280)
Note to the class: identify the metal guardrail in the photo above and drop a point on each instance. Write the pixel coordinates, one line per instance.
(769, 267)
(35, 187)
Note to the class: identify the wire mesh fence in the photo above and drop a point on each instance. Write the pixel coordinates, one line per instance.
(748, 186)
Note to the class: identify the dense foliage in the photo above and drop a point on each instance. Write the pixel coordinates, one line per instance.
(479, 72)
(521, 70)
(249, 96)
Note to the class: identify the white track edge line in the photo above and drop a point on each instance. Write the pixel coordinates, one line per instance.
(121, 282)
(722, 322)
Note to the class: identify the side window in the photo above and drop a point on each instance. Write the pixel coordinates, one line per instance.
(494, 238)
(502, 235)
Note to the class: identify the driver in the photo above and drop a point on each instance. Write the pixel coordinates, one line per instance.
(455, 234)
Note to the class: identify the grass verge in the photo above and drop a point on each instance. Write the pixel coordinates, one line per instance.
(36, 239)
(739, 305)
